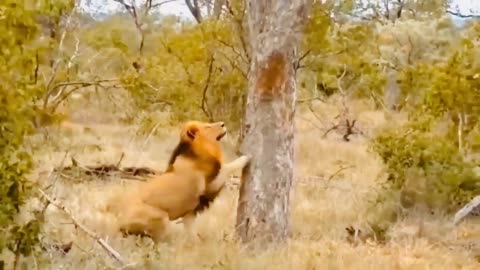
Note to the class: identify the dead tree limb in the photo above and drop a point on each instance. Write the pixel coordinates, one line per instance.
(90, 233)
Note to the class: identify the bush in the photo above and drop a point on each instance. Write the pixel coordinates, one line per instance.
(430, 161)
(426, 168)
(18, 93)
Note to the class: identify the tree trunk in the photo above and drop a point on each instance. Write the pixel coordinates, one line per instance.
(392, 90)
(263, 210)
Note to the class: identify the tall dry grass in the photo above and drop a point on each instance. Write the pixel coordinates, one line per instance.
(334, 184)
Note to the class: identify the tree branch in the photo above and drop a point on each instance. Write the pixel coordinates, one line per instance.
(90, 233)
(240, 29)
(185, 67)
(132, 10)
(194, 9)
(461, 15)
(301, 58)
(205, 89)
(161, 3)
(56, 64)
(61, 96)
(234, 50)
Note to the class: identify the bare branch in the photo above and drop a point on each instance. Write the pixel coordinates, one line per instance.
(460, 132)
(185, 67)
(127, 7)
(233, 50)
(461, 15)
(310, 100)
(150, 4)
(194, 9)
(401, 4)
(233, 63)
(205, 89)
(239, 26)
(132, 10)
(161, 3)
(62, 95)
(387, 9)
(300, 59)
(90, 233)
(339, 80)
(37, 67)
(58, 58)
(322, 56)
(74, 54)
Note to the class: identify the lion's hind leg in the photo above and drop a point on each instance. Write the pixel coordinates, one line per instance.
(146, 221)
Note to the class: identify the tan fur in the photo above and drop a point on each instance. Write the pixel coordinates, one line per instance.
(195, 171)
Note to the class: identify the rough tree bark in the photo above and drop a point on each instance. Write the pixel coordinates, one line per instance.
(275, 28)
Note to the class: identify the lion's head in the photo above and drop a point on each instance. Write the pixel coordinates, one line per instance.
(199, 146)
(195, 130)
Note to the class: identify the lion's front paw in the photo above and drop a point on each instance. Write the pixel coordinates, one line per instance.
(243, 160)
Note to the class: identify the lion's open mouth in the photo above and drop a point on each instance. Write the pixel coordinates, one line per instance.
(221, 136)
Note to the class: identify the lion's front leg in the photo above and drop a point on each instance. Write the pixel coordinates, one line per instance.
(225, 172)
(235, 165)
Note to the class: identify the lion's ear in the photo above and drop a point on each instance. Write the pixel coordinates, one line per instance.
(191, 131)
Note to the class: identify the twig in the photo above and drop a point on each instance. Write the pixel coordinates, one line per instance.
(460, 15)
(231, 47)
(310, 99)
(120, 160)
(298, 63)
(195, 10)
(205, 89)
(74, 55)
(233, 63)
(158, 4)
(349, 131)
(90, 233)
(459, 132)
(57, 60)
(334, 127)
(17, 255)
(239, 27)
(146, 141)
(342, 168)
(185, 67)
(54, 179)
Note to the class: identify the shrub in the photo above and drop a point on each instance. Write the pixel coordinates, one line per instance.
(18, 93)
(426, 167)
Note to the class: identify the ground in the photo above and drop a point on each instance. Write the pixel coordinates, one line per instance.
(335, 181)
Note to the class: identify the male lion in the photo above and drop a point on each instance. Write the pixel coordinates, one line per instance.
(194, 176)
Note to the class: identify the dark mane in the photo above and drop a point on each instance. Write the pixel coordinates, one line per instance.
(185, 149)
(182, 149)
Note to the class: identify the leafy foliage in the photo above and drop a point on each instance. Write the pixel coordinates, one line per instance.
(425, 163)
(25, 53)
(432, 159)
(18, 92)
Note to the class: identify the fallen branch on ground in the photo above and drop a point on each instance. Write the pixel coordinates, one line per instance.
(90, 233)
(136, 173)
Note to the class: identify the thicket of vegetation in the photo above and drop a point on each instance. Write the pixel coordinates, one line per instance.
(409, 58)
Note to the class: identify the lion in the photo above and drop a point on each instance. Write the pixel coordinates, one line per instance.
(195, 175)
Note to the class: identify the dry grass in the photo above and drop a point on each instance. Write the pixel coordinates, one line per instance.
(334, 182)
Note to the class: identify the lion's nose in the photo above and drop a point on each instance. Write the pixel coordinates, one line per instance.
(222, 124)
